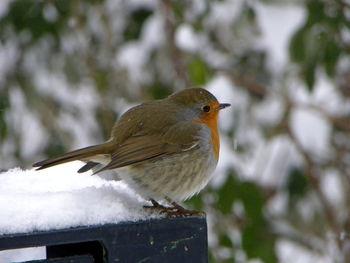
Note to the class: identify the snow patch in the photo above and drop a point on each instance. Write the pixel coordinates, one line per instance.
(59, 197)
(186, 39)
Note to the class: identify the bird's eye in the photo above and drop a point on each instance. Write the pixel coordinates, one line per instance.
(206, 108)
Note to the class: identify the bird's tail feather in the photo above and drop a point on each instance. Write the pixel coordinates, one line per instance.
(81, 154)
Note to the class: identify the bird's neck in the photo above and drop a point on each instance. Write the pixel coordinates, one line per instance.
(212, 122)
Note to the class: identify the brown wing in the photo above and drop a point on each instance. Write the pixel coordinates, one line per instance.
(139, 147)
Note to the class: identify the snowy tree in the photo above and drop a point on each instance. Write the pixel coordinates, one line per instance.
(281, 191)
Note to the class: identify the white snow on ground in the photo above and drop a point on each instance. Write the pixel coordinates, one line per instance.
(59, 197)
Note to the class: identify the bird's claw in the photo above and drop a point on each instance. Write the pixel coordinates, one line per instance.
(175, 210)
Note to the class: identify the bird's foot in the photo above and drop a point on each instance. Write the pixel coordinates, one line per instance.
(175, 210)
(179, 211)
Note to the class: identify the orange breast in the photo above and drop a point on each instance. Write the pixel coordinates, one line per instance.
(211, 120)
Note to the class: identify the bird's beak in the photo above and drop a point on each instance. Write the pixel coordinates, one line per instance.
(224, 105)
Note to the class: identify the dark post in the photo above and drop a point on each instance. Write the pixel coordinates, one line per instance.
(159, 240)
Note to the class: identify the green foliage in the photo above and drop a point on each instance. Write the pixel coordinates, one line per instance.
(257, 238)
(106, 120)
(136, 21)
(297, 185)
(55, 147)
(177, 8)
(225, 241)
(159, 91)
(27, 16)
(297, 50)
(257, 242)
(332, 53)
(4, 104)
(101, 79)
(252, 199)
(228, 194)
(196, 203)
(317, 43)
(199, 72)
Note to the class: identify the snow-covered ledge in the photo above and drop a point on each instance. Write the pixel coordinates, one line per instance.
(59, 197)
(59, 206)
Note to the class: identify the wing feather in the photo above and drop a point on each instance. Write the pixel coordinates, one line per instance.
(141, 147)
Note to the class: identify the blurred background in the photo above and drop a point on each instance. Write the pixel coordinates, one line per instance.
(281, 192)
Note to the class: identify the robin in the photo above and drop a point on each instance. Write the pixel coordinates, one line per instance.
(165, 149)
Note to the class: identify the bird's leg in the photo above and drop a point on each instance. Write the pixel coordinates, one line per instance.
(177, 210)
